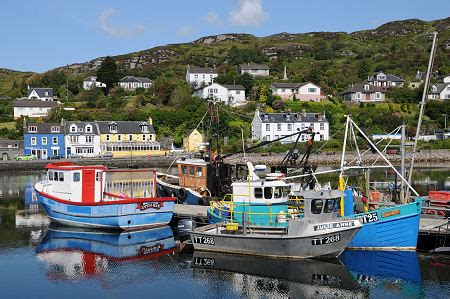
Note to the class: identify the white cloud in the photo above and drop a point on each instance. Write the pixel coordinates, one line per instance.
(186, 30)
(213, 19)
(117, 31)
(248, 13)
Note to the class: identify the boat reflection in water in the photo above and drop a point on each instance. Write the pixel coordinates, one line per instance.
(74, 253)
(259, 276)
(385, 273)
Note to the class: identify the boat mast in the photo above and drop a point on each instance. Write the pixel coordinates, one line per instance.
(402, 166)
(341, 175)
(422, 108)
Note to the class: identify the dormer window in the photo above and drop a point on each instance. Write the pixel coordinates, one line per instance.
(266, 117)
(88, 129)
(381, 77)
(112, 127)
(366, 87)
(32, 129)
(73, 128)
(144, 127)
(54, 129)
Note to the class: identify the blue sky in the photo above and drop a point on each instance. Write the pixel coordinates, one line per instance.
(38, 35)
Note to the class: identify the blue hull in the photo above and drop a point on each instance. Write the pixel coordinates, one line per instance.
(112, 216)
(112, 245)
(393, 228)
(172, 190)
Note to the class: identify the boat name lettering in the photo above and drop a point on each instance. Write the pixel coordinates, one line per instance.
(204, 240)
(204, 261)
(334, 225)
(390, 213)
(151, 249)
(326, 240)
(326, 279)
(150, 205)
(368, 218)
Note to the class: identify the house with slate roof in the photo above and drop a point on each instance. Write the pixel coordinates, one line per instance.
(131, 82)
(33, 108)
(364, 92)
(297, 91)
(439, 91)
(43, 140)
(200, 76)
(41, 94)
(91, 82)
(128, 138)
(271, 126)
(232, 95)
(82, 139)
(385, 81)
(254, 69)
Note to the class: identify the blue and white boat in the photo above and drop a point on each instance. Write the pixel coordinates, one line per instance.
(96, 197)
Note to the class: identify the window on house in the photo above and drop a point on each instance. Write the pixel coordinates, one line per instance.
(130, 137)
(366, 87)
(358, 95)
(44, 140)
(54, 129)
(107, 137)
(46, 93)
(283, 90)
(144, 128)
(112, 127)
(267, 127)
(143, 137)
(378, 95)
(55, 140)
(88, 128)
(32, 129)
(119, 137)
(321, 137)
(322, 126)
(238, 92)
(312, 89)
(73, 128)
(33, 140)
(278, 127)
(267, 138)
(89, 139)
(289, 127)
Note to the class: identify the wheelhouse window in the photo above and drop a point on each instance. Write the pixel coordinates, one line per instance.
(258, 192)
(76, 176)
(191, 170)
(316, 206)
(50, 175)
(198, 171)
(184, 169)
(268, 192)
(61, 176)
(281, 191)
(329, 206)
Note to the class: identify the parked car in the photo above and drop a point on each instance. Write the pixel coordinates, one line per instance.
(107, 155)
(26, 158)
(55, 157)
(74, 156)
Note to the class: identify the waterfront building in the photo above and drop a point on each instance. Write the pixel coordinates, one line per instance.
(43, 140)
(41, 94)
(254, 69)
(193, 141)
(33, 108)
(91, 82)
(364, 93)
(131, 82)
(271, 126)
(200, 76)
(10, 149)
(128, 138)
(297, 91)
(232, 95)
(82, 139)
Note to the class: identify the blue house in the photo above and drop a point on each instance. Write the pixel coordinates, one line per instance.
(43, 140)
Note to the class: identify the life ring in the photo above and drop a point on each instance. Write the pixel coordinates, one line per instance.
(182, 194)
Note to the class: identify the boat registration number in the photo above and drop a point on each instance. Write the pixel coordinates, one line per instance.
(204, 262)
(204, 240)
(368, 218)
(326, 240)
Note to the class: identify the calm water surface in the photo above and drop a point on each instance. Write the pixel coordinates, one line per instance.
(38, 260)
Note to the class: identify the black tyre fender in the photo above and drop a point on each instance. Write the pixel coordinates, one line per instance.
(182, 194)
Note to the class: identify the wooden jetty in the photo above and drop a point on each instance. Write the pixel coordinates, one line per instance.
(432, 225)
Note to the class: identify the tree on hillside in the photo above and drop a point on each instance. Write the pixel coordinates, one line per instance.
(107, 72)
(247, 81)
(181, 95)
(363, 69)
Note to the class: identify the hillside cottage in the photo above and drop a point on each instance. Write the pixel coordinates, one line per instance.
(82, 139)
(298, 91)
(385, 81)
(91, 82)
(131, 82)
(200, 76)
(232, 95)
(128, 138)
(439, 91)
(193, 141)
(364, 93)
(33, 108)
(41, 94)
(43, 140)
(254, 69)
(271, 126)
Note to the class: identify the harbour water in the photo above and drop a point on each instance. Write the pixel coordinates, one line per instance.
(38, 260)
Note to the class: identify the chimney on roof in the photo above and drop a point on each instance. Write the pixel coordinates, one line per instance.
(150, 121)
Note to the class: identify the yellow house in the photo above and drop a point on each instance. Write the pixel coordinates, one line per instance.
(192, 141)
(128, 138)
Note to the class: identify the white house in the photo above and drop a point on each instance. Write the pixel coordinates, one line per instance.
(254, 69)
(200, 76)
(82, 138)
(385, 81)
(33, 108)
(233, 95)
(300, 91)
(445, 79)
(91, 82)
(41, 94)
(439, 91)
(131, 82)
(364, 92)
(271, 126)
